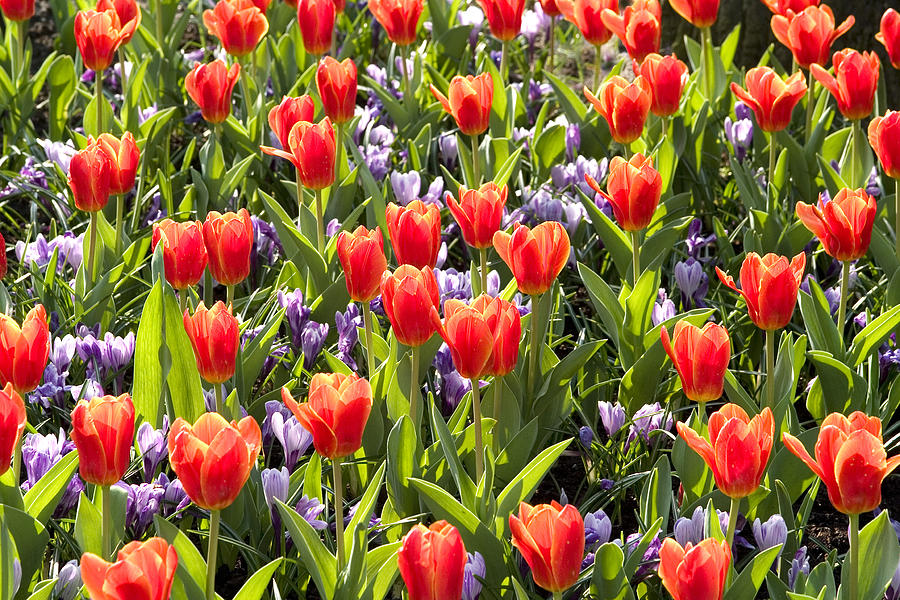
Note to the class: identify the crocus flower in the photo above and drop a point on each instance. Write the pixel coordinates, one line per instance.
(551, 540)
(336, 83)
(228, 239)
(854, 82)
(210, 87)
(694, 572)
(68, 581)
(586, 15)
(469, 101)
(214, 337)
(809, 33)
(769, 285)
(701, 358)
(103, 432)
(771, 98)
(239, 25)
(408, 296)
(98, 34)
(889, 35)
(184, 253)
(634, 188)
(771, 533)
(638, 27)
(123, 161)
(12, 424)
(535, 256)
(151, 444)
(316, 19)
(624, 105)
(311, 148)
(142, 571)
(843, 225)
(400, 18)
(474, 574)
(276, 484)
(39, 454)
(432, 562)
(667, 77)
(288, 113)
(415, 231)
(884, 137)
(361, 254)
(612, 415)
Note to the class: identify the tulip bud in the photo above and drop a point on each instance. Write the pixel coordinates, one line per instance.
(884, 136)
(215, 339)
(634, 191)
(415, 231)
(408, 296)
(239, 25)
(624, 106)
(504, 17)
(889, 35)
(184, 254)
(336, 82)
(854, 83)
(12, 424)
(469, 102)
(551, 540)
(639, 27)
(771, 98)
(809, 34)
(316, 21)
(98, 36)
(505, 324)
(311, 148)
(24, 350)
(586, 15)
(699, 13)
(90, 177)
(769, 285)
(400, 18)
(535, 256)
(229, 241)
(694, 572)
(291, 111)
(123, 160)
(103, 432)
(667, 77)
(127, 11)
(701, 358)
(843, 225)
(479, 212)
(432, 562)
(143, 570)
(210, 86)
(17, 10)
(362, 259)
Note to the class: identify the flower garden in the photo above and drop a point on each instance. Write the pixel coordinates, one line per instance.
(446, 300)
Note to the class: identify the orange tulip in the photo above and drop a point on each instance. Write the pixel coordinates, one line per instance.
(210, 86)
(843, 225)
(700, 13)
(854, 82)
(103, 432)
(362, 259)
(469, 102)
(771, 98)
(291, 111)
(432, 562)
(781, 7)
(884, 136)
(505, 324)
(90, 177)
(24, 350)
(586, 15)
(229, 241)
(17, 10)
(850, 460)
(143, 571)
(311, 149)
(694, 572)
(316, 20)
(551, 540)
(634, 191)
(400, 18)
(769, 285)
(184, 253)
(408, 296)
(701, 358)
(415, 231)
(466, 331)
(667, 77)
(215, 339)
(127, 11)
(504, 17)
(213, 458)
(336, 82)
(889, 35)
(98, 36)
(639, 27)
(335, 413)
(123, 159)
(12, 424)
(479, 213)
(738, 448)
(535, 256)
(239, 25)
(624, 106)
(809, 34)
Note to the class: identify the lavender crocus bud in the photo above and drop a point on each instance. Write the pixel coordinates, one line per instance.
(447, 145)
(275, 483)
(473, 576)
(311, 342)
(692, 282)
(16, 576)
(799, 565)
(586, 436)
(597, 528)
(294, 439)
(297, 314)
(573, 141)
(691, 529)
(310, 509)
(612, 415)
(663, 308)
(740, 135)
(68, 581)
(771, 533)
(333, 227)
(174, 499)
(406, 186)
(152, 446)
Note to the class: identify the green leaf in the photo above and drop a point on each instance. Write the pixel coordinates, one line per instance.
(614, 239)
(610, 580)
(879, 553)
(30, 539)
(88, 522)
(605, 302)
(523, 485)
(41, 500)
(320, 563)
(570, 103)
(364, 507)
(7, 555)
(256, 585)
(873, 335)
(464, 484)
(62, 80)
(747, 583)
(191, 572)
(823, 333)
(837, 388)
(43, 590)
(656, 495)
(401, 465)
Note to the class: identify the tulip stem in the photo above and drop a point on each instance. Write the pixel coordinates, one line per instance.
(732, 520)
(498, 396)
(842, 307)
(220, 401)
(709, 67)
(810, 104)
(504, 63)
(476, 164)
(557, 595)
(320, 226)
(773, 155)
(897, 215)
(370, 350)
(596, 69)
(17, 461)
(91, 247)
(106, 524)
(123, 79)
(535, 350)
(770, 369)
(120, 208)
(853, 567)
(98, 93)
(636, 254)
(407, 88)
(483, 256)
(414, 386)
(299, 202)
(229, 295)
(552, 42)
(211, 554)
(338, 150)
(19, 64)
(857, 141)
(476, 421)
(338, 514)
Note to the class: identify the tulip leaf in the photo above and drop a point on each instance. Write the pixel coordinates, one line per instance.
(402, 464)
(365, 506)
(873, 335)
(656, 495)
(879, 553)
(7, 556)
(256, 585)
(609, 580)
(10, 493)
(570, 102)
(320, 563)
(637, 554)
(62, 81)
(43, 590)
(751, 578)
(464, 483)
(523, 485)
(29, 537)
(550, 148)
(837, 387)
(617, 243)
(381, 567)
(191, 565)
(823, 333)
(41, 500)
(87, 526)
(605, 303)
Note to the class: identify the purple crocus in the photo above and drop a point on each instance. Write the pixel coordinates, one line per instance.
(39, 454)
(771, 533)
(597, 528)
(663, 308)
(799, 565)
(647, 419)
(276, 484)
(473, 576)
(151, 444)
(68, 581)
(447, 141)
(58, 152)
(573, 141)
(294, 439)
(693, 283)
(310, 509)
(347, 324)
(311, 342)
(612, 415)
(406, 186)
(175, 500)
(143, 503)
(696, 241)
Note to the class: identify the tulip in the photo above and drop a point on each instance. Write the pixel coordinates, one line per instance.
(336, 83)
(469, 102)
(771, 98)
(91, 176)
(210, 86)
(586, 15)
(809, 34)
(667, 77)
(316, 20)
(291, 111)
(639, 27)
(143, 571)
(699, 13)
(408, 295)
(769, 285)
(98, 35)
(551, 540)
(634, 191)
(400, 18)
(17, 10)
(854, 83)
(694, 572)
(535, 256)
(24, 350)
(843, 225)
(184, 253)
(781, 7)
(123, 159)
(415, 231)
(432, 562)
(229, 241)
(503, 319)
(127, 11)
(215, 339)
(700, 357)
(504, 17)
(479, 212)
(103, 432)
(239, 25)
(884, 136)
(12, 424)
(624, 106)
(889, 35)
(363, 262)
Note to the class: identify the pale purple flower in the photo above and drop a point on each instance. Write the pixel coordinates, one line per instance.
(151, 444)
(473, 575)
(146, 113)
(435, 193)
(740, 135)
(406, 186)
(87, 390)
(612, 415)
(872, 187)
(296, 312)
(447, 141)
(534, 23)
(310, 509)
(589, 166)
(175, 500)
(453, 284)
(276, 484)
(68, 581)
(58, 152)
(647, 419)
(348, 334)
(143, 503)
(39, 454)
(573, 141)
(332, 228)
(663, 308)
(293, 437)
(696, 241)
(771, 533)
(311, 342)
(597, 528)
(693, 283)
(861, 319)
(691, 529)
(799, 564)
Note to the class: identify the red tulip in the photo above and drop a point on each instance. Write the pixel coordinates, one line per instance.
(479, 213)
(123, 159)
(586, 15)
(889, 35)
(17, 10)
(634, 191)
(210, 86)
(12, 424)
(639, 27)
(771, 98)
(694, 572)
(239, 25)
(24, 350)
(103, 432)
(504, 17)
(843, 225)
(781, 7)
(400, 18)
(769, 285)
(184, 253)
(701, 358)
(336, 82)
(505, 323)
(469, 102)
(667, 77)
(624, 106)
(335, 413)
(432, 562)
(213, 459)
(262, 5)
(466, 331)
(311, 149)
(415, 231)
(143, 571)
(127, 11)
(316, 20)
(809, 34)
(362, 259)
(291, 111)
(229, 241)
(850, 460)
(700, 13)
(408, 296)
(550, 8)
(884, 136)
(535, 256)
(738, 448)
(90, 177)
(215, 339)
(551, 540)
(98, 36)
(854, 82)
